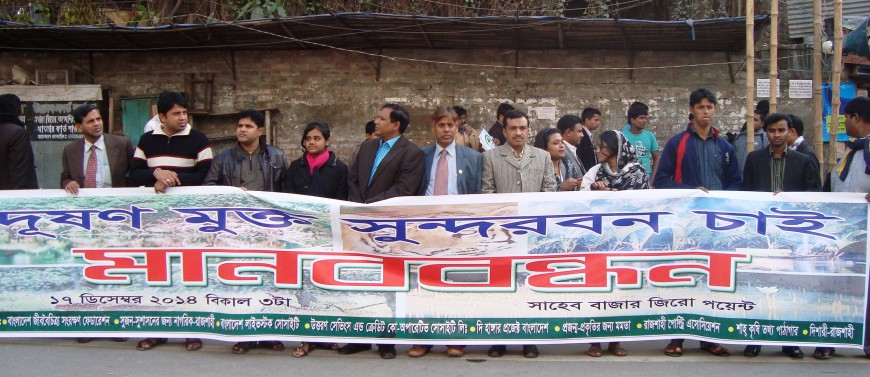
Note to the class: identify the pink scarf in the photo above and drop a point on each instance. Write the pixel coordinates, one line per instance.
(316, 162)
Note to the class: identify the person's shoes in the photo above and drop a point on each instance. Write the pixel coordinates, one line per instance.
(419, 351)
(352, 348)
(455, 351)
(496, 351)
(530, 352)
(387, 351)
(793, 352)
(752, 351)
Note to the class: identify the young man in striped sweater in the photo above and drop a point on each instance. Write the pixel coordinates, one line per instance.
(171, 155)
(174, 154)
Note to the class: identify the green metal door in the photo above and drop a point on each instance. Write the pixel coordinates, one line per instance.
(135, 112)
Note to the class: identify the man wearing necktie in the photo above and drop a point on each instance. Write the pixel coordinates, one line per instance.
(385, 167)
(451, 169)
(96, 160)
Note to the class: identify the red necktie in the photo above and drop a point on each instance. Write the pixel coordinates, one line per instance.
(441, 172)
(91, 171)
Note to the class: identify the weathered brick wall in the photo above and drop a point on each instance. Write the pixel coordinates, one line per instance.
(342, 88)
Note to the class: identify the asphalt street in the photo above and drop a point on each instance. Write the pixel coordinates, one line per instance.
(65, 357)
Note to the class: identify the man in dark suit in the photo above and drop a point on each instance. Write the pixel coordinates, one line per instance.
(386, 167)
(16, 153)
(497, 128)
(591, 118)
(111, 155)
(777, 168)
(796, 141)
(464, 164)
(95, 161)
(455, 171)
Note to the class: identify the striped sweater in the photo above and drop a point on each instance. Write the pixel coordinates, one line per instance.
(187, 153)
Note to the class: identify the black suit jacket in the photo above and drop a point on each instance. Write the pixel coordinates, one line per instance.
(800, 173)
(586, 151)
(17, 166)
(806, 149)
(399, 173)
(119, 150)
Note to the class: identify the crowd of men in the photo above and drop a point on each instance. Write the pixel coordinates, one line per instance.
(387, 165)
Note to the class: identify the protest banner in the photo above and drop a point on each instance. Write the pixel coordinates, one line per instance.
(222, 263)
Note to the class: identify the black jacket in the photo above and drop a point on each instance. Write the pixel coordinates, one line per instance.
(586, 151)
(330, 181)
(226, 168)
(800, 172)
(18, 170)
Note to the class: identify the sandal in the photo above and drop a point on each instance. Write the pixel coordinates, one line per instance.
(594, 350)
(149, 343)
(243, 347)
(714, 349)
(674, 348)
(616, 349)
(273, 345)
(823, 353)
(303, 350)
(192, 344)
(326, 346)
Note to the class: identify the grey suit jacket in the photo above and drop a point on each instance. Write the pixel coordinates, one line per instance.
(399, 173)
(502, 173)
(469, 165)
(119, 150)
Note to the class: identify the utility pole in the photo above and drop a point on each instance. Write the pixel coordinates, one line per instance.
(835, 85)
(817, 122)
(774, 54)
(750, 73)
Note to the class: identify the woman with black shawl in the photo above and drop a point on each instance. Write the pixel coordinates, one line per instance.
(619, 169)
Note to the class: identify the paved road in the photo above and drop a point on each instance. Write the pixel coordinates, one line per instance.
(64, 357)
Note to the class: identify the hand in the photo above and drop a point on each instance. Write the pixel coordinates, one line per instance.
(702, 188)
(167, 177)
(601, 186)
(569, 184)
(160, 187)
(72, 187)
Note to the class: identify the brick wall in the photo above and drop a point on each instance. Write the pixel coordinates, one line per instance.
(341, 88)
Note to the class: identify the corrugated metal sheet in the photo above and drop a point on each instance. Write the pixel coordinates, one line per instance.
(800, 14)
(367, 31)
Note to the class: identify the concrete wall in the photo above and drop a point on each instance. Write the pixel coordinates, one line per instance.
(342, 88)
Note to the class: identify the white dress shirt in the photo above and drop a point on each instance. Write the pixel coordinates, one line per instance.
(451, 169)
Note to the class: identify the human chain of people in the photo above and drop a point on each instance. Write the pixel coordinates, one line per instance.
(462, 161)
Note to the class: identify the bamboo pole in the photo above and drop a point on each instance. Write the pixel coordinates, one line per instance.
(774, 54)
(750, 73)
(835, 85)
(817, 85)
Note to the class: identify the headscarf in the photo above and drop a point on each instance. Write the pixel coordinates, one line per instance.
(629, 174)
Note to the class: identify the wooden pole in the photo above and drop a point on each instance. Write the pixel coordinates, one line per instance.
(835, 85)
(750, 73)
(817, 85)
(774, 54)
